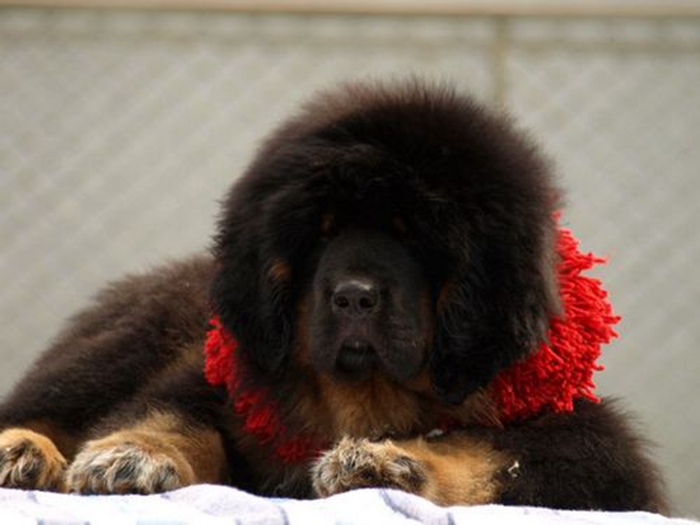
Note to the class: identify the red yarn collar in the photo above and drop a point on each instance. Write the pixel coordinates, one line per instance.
(560, 371)
(253, 405)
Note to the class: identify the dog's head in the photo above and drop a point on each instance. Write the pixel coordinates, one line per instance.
(390, 230)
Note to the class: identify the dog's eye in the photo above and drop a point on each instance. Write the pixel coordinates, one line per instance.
(327, 227)
(398, 225)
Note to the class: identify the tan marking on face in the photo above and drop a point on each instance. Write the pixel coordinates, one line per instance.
(328, 407)
(327, 223)
(428, 319)
(400, 225)
(302, 338)
(372, 408)
(444, 296)
(280, 271)
(378, 406)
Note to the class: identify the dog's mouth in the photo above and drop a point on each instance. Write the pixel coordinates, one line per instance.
(356, 359)
(359, 353)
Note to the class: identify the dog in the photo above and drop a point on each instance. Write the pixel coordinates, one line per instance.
(389, 252)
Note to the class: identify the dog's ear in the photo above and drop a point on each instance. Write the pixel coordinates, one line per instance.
(250, 293)
(494, 310)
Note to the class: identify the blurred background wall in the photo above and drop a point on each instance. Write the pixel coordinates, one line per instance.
(120, 129)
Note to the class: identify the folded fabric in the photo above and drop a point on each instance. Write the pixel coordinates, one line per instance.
(212, 504)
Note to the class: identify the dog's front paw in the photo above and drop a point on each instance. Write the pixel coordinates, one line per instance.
(357, 463)
(128, 463)
(30, 461)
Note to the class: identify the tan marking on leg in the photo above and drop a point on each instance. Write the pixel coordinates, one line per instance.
(157, 454)
(202, 446)
(29, 460)
(460, 470)
(66, 442)
(450, 471)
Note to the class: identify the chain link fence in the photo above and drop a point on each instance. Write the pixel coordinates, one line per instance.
(120, 130)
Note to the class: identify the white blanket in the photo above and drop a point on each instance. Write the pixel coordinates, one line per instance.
(209, 504)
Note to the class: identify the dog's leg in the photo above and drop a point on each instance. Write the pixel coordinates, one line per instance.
(165, 438)
(153, 443)
(455, 469)
(587, 459)
(163, 451)
(30, 460)
(136, 332)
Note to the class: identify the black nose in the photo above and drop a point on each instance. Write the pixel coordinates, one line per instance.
(355, 298)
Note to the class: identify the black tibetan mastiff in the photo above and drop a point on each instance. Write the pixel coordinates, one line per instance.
(389, 251)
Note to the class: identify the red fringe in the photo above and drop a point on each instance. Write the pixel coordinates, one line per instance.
(260, 419)
(559, 372)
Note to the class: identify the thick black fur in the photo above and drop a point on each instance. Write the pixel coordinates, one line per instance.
(597, 465)
(478, 198)
(439, 207)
